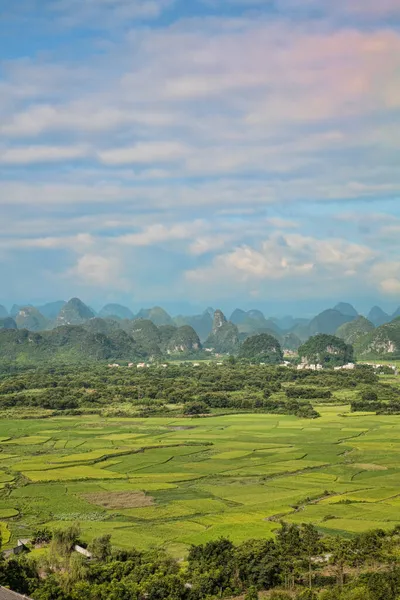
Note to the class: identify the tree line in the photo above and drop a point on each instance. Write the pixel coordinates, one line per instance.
(298, 564)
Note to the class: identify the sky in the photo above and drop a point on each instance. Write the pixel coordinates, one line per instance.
(200, 152)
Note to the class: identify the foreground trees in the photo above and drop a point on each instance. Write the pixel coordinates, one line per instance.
(294, 566)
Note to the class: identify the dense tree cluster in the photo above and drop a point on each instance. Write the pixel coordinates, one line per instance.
(298, 564)
(232, 386)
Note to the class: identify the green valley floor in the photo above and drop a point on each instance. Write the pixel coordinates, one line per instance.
(175, 482)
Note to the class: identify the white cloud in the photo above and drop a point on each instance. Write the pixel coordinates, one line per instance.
(145, 152)
(390, 286)
(280, 223)
(98, 271)
(292, 257)
(386, 275)
(83, 116)
(159, 234)
(25, 155)
(210, 243)
(77, 242)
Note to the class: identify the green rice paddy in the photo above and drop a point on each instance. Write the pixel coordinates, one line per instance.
(175, 482)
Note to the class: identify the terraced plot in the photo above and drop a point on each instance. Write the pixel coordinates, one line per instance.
(163, 482)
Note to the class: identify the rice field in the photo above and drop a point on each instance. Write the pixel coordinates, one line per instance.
(175, 482)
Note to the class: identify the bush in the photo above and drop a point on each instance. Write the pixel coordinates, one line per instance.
(369, 396)
(196, 408)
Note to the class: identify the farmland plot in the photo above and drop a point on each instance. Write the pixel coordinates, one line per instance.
(163, 482)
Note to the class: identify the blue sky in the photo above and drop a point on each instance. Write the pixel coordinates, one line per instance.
(200, 152)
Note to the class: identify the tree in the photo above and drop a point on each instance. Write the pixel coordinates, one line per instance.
(101, 547)
(258, 564)
(196, 408)
(62, 545)
(252, 593)
(311, 546)
(289, 544)
(341, 556)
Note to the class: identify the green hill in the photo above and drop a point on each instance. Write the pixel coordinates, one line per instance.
(67, 344)
(184, 339)
(327, 350)
(353, 331)
(104, 326)
(31, 318)
(384, 341)
(262, 348)
(145, 333)
(224, 336)
(74, 312)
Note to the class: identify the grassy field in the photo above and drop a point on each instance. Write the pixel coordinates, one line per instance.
(174, 482)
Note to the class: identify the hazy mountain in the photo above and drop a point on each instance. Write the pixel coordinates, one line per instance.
(287, 323)
(253, 321)
(346, 309)
(301, 330)
(396, 314)
(238, 316)
(353, 331)
(8, 323)
(3, 312)
(116, 310)
(377, 316)
(51, 309)
(74, 312)
(157, 315)
(290, 341)
(382, 341)
(202, 324)
(31, 318)
(328, 322)
(15, 309)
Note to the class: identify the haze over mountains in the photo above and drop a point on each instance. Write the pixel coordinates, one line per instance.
(64, 327)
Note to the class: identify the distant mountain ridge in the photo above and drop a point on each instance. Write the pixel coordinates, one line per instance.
(116, 310)
(288, 330)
